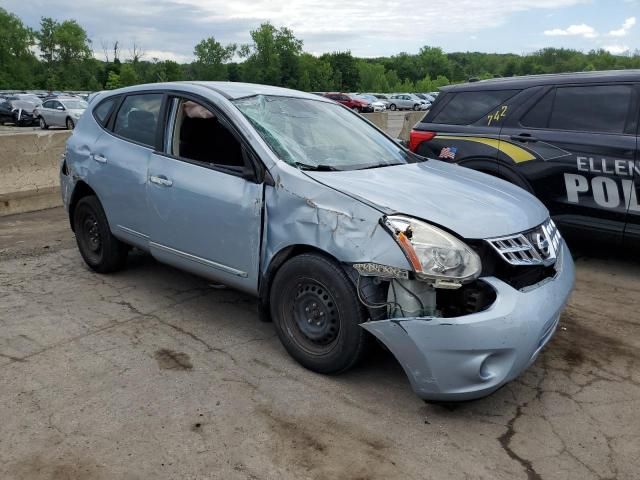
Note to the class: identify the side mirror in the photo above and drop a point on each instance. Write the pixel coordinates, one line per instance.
(59, 107)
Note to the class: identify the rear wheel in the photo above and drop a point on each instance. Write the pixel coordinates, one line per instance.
(316, 313)
(100, 250)
(70, 124)
(43, 124)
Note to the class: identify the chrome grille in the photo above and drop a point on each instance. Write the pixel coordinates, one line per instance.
(538, 246)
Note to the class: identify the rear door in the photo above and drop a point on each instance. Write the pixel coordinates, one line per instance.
(205, 206)
(45, 112)
(582, 140)
(121, 159)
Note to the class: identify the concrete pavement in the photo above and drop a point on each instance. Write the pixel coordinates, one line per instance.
(154, 373)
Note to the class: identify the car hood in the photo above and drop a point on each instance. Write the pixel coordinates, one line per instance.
(472, 204)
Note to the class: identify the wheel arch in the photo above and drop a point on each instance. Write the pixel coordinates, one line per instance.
(80, 190)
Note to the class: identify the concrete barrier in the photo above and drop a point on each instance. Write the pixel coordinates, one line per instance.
(379, 119)
(410, 121)
(29, 170)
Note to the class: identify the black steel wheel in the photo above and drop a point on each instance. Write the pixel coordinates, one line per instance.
(317, 314)
(100, 250)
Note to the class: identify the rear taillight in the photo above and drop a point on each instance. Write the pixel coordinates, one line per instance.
(416, 137)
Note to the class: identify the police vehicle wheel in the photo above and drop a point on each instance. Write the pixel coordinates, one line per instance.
(316, 313)
(43, 124)
(100, 250)
(70, 124)
(393, 107)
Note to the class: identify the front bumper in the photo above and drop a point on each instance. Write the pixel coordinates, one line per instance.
(471, 356)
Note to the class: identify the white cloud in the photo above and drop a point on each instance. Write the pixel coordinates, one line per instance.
(581, 30)
(616, 49)
(624, 30)
(375, 27)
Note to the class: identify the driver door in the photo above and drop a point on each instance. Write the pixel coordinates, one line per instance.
(205, 206)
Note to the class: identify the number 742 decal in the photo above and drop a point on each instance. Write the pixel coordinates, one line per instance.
(497, 115)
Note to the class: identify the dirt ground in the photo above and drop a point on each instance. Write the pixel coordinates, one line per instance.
(154, 373)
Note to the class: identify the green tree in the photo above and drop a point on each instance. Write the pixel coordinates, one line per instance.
(128, 75)
(211, 57)
(273, 57)
(16, 59)
(372, 77)
(113, 81)
(345, 70)
(315, 75)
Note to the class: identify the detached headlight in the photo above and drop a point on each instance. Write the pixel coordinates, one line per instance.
(433, 253)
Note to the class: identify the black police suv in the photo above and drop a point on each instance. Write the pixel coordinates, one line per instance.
(570, 139)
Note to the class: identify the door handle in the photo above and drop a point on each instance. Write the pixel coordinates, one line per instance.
(99, 158)
(160, 180)
(524, 137)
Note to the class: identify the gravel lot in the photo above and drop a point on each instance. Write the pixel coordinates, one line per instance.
(153, 373)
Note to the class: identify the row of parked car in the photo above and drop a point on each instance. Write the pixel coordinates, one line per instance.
(379, 102)
(54, 109)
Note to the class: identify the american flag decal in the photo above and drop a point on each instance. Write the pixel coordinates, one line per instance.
(448, 153)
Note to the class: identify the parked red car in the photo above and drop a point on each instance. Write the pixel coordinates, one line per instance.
(349, 101)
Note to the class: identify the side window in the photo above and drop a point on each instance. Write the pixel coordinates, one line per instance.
(538, 115)
(469, 107)
(598, 108)
(199, 135)
(47, 104)
(102, 111)
(137, 118)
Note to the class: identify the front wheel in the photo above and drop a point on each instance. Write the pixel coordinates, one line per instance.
(100, 250)
(393, 107)
(316, 313)
(70, 124)
(43, 124)
(416, 107)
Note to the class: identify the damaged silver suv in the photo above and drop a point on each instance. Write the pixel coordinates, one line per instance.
(343, 234)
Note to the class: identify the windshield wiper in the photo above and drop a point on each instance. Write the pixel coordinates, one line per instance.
(318, 167)
(380, 165)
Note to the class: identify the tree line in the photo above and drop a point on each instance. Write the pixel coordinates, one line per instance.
(59, 55)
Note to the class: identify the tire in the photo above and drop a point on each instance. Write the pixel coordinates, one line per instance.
(69, 123)
(393, 107)
(416, 107)
(100, 250)
(316, 313)
(43, 124)
(356, 109)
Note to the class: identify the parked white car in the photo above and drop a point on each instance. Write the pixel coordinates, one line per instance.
(60, 112)
(405, 101)
(378, 105)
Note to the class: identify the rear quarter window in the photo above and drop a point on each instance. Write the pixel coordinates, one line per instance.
(590, 108)
(469, 107)
(102, 111)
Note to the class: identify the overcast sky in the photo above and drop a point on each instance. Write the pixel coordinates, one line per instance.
(171, 28)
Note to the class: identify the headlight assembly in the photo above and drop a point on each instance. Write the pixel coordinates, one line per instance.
(433, 253)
